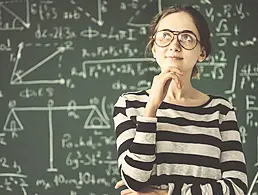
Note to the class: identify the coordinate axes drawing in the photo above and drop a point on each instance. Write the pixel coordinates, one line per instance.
(14, 15)
(18, 76)
(95, 120)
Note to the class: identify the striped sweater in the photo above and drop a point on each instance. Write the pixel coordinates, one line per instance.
(190, 150)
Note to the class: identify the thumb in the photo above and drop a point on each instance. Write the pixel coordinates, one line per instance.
(119, 184)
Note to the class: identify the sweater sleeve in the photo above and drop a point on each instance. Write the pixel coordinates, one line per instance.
(233, 165)
(136, 145)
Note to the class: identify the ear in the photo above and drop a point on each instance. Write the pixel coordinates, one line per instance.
(153, 51)
(202, 55)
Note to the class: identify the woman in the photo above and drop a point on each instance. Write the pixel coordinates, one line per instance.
(172, 138)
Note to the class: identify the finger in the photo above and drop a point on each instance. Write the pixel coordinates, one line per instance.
(179, 86)
(119, 184)
(166, 77)
(174, 77)
(174, 69)
(176, 72)
(126, 192)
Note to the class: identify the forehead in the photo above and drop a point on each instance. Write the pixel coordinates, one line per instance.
(178, 22)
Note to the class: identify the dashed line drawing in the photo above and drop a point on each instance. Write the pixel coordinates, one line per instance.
(133, 20)
(99, 21)
(18, 75)
(95, 120)
(15, 10)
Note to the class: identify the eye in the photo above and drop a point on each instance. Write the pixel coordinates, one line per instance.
(163, 35)
(187, 37)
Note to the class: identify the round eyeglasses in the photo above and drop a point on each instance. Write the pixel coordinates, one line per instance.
(186, 38)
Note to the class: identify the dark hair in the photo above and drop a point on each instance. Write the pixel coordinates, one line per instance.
(198, 19)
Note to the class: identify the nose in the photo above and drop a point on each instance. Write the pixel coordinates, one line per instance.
(174, 45)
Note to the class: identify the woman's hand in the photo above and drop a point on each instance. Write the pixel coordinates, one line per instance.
(159, 88)
(146, 191)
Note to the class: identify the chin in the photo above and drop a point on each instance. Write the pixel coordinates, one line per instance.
(172, 65)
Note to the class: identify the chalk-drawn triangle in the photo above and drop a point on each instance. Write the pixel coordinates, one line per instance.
(15, 15)
(141, 17)
(96, 120)
(33, 73)
(12, 122)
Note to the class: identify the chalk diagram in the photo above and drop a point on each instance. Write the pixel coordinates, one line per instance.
(136, 20)
(95, 120)
(94, 17)
(20, 76)
(14, 15)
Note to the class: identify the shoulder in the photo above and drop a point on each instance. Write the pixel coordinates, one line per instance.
(130, 100)
(221, 103)
(134, 96)
(138, 96)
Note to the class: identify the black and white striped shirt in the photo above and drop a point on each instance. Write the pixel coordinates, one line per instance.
(193, 150)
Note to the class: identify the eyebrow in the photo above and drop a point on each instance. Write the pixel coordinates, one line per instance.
(189, 31)
(186, 30)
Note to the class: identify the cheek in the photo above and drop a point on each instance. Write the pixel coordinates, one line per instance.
(160, 53)
(190, 60)
(160, 57)
(192, 55)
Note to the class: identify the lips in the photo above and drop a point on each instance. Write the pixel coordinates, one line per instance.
(174, 57)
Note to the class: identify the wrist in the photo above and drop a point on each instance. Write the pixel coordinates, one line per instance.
(150, 110)
(161, 192)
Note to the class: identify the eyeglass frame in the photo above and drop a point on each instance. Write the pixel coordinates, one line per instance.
(178, 32)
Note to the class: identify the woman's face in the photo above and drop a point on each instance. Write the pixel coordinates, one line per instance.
(174, 54)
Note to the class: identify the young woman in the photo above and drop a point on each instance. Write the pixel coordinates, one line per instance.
(172, 138)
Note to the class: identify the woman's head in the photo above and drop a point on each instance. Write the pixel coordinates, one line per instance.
(198, 22)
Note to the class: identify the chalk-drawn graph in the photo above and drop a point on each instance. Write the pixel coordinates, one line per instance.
(136, 19)
(95, 120)
(20, 76)
(14, 15)
(97, 17)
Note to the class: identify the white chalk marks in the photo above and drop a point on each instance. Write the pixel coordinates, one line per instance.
(14, 15)
(95, 15)
(18, 76)
(136, 19)
(94, 120)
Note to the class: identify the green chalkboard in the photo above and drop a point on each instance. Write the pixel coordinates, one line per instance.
(63, 65)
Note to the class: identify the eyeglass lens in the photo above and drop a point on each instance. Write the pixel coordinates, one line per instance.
(186, 39)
